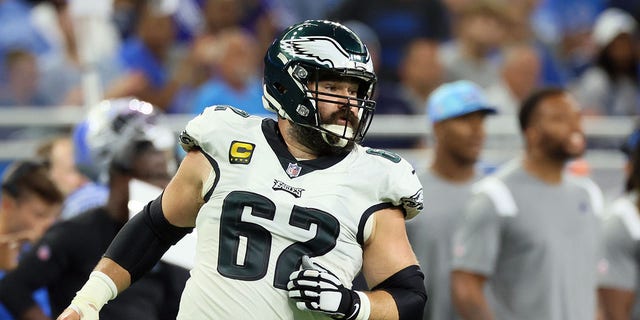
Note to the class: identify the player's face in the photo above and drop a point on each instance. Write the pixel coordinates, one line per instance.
(152, 167)
(462, 137)
(334, 98)
(558, 128)
(336, 110)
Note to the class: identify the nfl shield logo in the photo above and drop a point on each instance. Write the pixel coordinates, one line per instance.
(293, 170)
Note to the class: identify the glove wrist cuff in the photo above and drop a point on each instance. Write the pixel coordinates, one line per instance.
(365, 307)
(360, 306)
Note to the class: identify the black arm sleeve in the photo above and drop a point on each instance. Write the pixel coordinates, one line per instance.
(144, 239)
(407, 289)
(38, 268)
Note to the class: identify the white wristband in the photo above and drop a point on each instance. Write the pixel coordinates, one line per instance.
(365, 306)
(95, 293)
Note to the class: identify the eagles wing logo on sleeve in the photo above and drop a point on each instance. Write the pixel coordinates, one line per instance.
(415, 201)
(323, 50)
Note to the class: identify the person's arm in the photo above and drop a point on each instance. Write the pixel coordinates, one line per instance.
(476, 247)
(389, 265)
(181, 202)
(616, 304)
(467, 294)
(36, 271)
(387, 252)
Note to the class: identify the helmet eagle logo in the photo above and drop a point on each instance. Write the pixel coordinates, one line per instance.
(323, 50)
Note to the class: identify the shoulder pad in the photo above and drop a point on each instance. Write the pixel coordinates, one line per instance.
(187, 142)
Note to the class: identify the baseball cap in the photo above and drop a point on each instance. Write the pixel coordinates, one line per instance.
(455, 99)
(611, 23)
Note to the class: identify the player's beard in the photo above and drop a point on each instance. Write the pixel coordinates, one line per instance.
(313, 139)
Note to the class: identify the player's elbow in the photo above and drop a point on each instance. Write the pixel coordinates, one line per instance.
(408, 290)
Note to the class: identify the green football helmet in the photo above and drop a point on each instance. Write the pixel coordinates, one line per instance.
(304, 53)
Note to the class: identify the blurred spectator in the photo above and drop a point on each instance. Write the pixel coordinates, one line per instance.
(123, 138)
(290, 12)
(519, 76)
(189, 19)
(520, 31)
(23, 78)
(63, 68)
(611, 86)
(29, 204)
(566, 25)
(419, 72)
(473, 54)
(125, 15)
(457, 111)
(17, 32)
(256, 16)
(619, 266)
(81, 194)
(529, 236)
(235, 79)
(396, 23)
(145, 57)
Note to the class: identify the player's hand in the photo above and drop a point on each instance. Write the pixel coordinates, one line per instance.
(68, 314)
(314, 288)
(79, 310)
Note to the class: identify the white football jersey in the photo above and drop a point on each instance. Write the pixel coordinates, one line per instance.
(265, 210)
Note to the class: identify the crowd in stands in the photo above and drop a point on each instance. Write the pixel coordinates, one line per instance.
(186, 54)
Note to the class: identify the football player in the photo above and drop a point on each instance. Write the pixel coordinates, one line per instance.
(263, 194)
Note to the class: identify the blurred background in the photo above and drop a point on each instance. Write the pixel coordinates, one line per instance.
(58, 58)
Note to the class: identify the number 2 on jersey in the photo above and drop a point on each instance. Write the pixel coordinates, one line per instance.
(258, 239)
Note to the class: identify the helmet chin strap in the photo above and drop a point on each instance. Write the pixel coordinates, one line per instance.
(336, 141)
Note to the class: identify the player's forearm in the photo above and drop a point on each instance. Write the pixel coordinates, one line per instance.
(383, 306)
(119, 275)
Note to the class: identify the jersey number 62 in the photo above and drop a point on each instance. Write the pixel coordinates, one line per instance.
(258, 239)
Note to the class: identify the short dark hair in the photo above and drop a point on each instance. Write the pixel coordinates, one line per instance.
(531, 103)
(30, 177)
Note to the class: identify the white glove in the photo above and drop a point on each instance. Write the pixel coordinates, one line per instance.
(314, 288)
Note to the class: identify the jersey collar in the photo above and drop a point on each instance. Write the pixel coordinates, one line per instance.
(269, 129)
